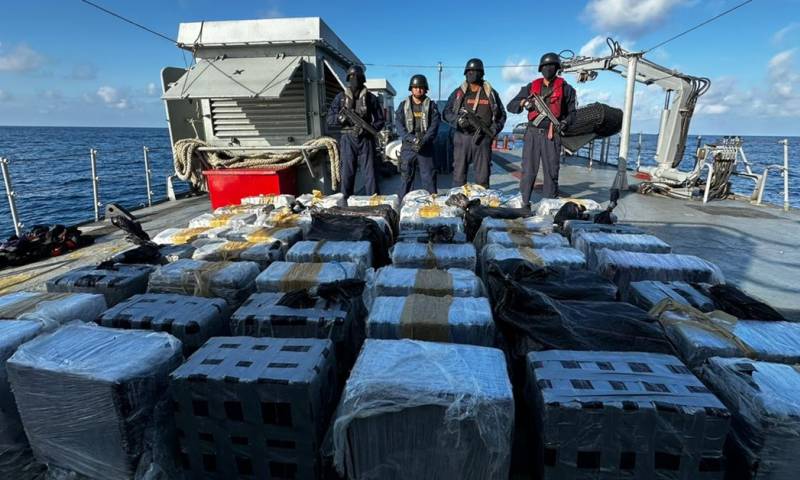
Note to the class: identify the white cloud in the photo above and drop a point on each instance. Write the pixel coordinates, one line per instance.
(632, 17)
(590, 95)
(593, 47)
(152, 90)
(521, 72)
(112, 97)
(21, 59)
(83, 71)
(780, 35)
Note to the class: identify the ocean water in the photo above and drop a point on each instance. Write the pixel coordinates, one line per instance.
(51, 170)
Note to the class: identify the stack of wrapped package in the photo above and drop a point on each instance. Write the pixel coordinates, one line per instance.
(277, 201)
(317, 199)
(353, 227)
(115, 283)
(254, 407)
(517, 226)
(231, 281)
(432, 255)
(400, 282)
(551, 206)
(466, 320)
(267, 315)
(110, 416)
(623, 415)
(763, 400)
(52, 309)
(570, 227)
(262, 253)
(322, 251)
(16, 458)
(287, 236)
(648, 293)
(213, 220)
(623, 268)
(193, 320)
(590, 242)
(423, 213)
(290, 276)
(512, 239)
(374, 200)
(558, 284)
(179, 236)
(414, 409)
(558, 257)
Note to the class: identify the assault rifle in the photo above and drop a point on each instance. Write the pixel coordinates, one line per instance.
(358, 122)
(544, 109)
(481, 128)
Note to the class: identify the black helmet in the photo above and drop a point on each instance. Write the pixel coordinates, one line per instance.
(474, 64)
(356, 70)
(418, 81)
(549, 59)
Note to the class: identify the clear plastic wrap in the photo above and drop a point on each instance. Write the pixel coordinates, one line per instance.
(414, 409)
(418, 220)
(316, 199)
(487, 197)
(373, 200)
(433, 255)
(103, 422)
(212, 220)
(214, 233)
(287, 236)
(263, 253)
(284, 217)
(173, 253)
(289, 276)
(192, 320)
(623, 268)
(531, 240)
(254, 209)
(232, 281)
(550, 206)
(518, 226)
(330, 226)
(419, 197)
(590, 242)
(115, 283)
(16, 458)
(572, 226)
(648, 293)
(764, 401)
(622, 415)
(401, 282)
(698, 336)
(322, 251)
(52, 309)
(556, 283)
(277, 201)
(466, 320)
(178, 236)
(556, 257)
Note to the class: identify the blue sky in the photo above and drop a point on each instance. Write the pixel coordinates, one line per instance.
(65, 63)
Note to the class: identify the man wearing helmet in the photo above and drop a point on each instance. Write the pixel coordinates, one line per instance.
(469, 144)
(542, 142)
(356, 147)
(417, 122)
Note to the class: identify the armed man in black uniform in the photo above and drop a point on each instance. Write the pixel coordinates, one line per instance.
(542, 137)
(356, 146)
(417, 122)
(477, 114)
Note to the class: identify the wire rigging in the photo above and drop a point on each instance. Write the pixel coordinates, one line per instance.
(698, 26)
(130, 21)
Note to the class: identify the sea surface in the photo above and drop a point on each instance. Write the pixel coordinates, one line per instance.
(51, 170)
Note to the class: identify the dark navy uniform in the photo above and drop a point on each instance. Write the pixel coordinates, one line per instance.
(487, 105)
(357, 148)
(417, 126)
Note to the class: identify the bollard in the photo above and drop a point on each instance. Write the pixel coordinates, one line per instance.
(95, 179)
(147, 173)
(12, 204)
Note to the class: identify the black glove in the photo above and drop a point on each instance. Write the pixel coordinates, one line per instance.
(343, 120)
(493, 130)
(463, 122)
(530, 105)
(562, 126)
(416, 144)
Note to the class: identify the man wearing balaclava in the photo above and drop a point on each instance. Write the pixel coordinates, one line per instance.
(542, 142)
(356, 146)
(469, 144)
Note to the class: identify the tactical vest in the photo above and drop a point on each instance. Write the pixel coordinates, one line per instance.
(409, 114)
(555, 96)
(360, 102)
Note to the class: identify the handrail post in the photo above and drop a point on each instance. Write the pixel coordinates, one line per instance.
(147, 173)
(639, 152)
(12, 205)
(95, 180)
(785, 143)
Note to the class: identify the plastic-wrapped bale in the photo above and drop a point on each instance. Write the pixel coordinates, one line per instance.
(214, 233)
(212, 220)
(564, 258)
(115, 283)
(572, 226)
(262, 253)
(173, 253)
(384, 215)
(316, 199)
(254, 407)
(765, 426)
(433, 255)
(323, 251)
(16, 457)
(422, 220)
(52, 309)
(373, 200)
(590, 242)
(487, 197)
(735, 302)
(254, 209)
(93, 399)
(556, 283)
(287, 236)
(285, 217)
(262, 315)
(400, 282)
(231, 281)
(698, 336)
(648, 293)
(277, 201)
(531, 240)
(466, 320)
(419, 197)
(193, 320)
(415, 409)
(290, 276)
(335, 227)
(623, 415)
(519, 226)
(178, 236)
(551, 206)
(623, 268)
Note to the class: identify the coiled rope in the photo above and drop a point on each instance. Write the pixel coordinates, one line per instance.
(190, 161)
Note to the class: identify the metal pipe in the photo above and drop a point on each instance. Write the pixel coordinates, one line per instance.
(625, 135)
(147, 173)
(785, 143)
(591, 153)
(95, 179)
(639, 152)
(603, 150)
(12, 204)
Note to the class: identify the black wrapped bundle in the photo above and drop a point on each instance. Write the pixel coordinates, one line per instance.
(328, 226)
(386, 212)
(595, 120)
(476, 213)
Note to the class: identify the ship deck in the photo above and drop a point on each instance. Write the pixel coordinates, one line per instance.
(755, 246)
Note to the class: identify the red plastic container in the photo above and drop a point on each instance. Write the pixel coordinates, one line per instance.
(229, 186)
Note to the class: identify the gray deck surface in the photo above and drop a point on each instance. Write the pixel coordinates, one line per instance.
(756, 247)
